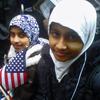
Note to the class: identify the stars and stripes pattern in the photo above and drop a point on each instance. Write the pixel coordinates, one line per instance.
(14, 73)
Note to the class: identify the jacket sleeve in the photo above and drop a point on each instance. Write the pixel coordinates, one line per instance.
(93, 85)
(95, 80)
(41, 85)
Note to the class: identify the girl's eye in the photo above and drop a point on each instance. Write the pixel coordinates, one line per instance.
(55, 34)
(71, 38)
(22, 35)
(12, 34)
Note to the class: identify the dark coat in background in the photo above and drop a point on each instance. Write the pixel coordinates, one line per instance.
(4, 43)
(96, 4)
(93, 83)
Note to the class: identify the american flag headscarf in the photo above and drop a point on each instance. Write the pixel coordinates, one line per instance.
(28, 24)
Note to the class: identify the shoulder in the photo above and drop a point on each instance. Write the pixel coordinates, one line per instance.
(45, 56)
(95, 46)
(43, 41)
(94, 52)
(94, 60)
(45, 61)
(94, 80)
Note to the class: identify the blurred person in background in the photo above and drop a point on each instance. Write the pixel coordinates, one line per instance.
(4, 44)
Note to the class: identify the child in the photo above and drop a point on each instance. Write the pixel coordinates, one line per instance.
(24, 33)
(63, 70)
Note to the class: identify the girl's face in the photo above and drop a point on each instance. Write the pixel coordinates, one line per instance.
(18, 38)
(64, 42)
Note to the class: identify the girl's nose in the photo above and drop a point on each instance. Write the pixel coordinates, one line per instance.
(61, 44)
(16, 39)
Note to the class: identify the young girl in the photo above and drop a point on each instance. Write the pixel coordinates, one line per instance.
(63, 70)
(24, 33)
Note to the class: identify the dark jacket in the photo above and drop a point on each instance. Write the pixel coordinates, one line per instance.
(93, 83)
(43, 84)
(4, 43)
(25, 92)
(47, 86)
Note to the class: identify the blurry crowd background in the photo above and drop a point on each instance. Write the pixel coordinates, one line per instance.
(96, 4)
(10, 8)
(40, 9)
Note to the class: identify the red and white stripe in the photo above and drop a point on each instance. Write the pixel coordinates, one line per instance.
(12, 80)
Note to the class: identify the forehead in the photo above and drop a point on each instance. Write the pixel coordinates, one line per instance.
(62, 29)
(17, 30)
(15, 27)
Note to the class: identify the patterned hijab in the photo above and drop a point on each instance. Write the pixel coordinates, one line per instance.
(29, 25)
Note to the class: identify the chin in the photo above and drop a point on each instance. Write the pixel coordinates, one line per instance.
(18, 50)
(61, 59)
